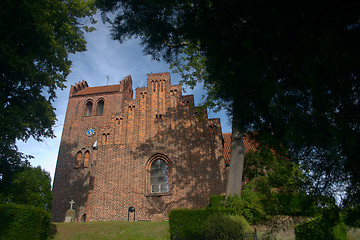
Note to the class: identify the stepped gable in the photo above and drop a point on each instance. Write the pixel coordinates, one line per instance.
(78, 87)
(155, 152)
(82, 88)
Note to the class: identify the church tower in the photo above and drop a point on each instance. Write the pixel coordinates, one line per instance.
(156, 152)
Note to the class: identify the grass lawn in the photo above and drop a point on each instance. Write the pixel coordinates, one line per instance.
(110, 230)
(148, 230)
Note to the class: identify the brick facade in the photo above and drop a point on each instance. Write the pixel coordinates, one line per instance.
(107, 172)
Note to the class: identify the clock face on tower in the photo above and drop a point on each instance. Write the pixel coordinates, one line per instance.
(90, 132)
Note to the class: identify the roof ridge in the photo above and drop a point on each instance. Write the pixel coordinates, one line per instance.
(98, 89)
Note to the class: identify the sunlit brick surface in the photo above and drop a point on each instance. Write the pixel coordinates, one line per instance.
(160, 123)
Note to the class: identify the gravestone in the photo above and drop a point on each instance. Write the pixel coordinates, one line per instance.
(70, 214)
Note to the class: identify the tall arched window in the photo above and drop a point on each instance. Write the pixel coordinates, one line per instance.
(100, 107)
(159, 177)
(78, 159)
(88, 108)
(86, 159)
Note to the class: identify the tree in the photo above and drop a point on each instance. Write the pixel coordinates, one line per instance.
(30, 186)
(280, 174)
(36, 38)
(287, 71)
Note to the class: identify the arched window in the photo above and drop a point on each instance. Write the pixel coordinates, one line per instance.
(88, 108)
(159, 177)
(104, 138)
(100, 107)
(78, 159)
(86, 159)
(83, 218)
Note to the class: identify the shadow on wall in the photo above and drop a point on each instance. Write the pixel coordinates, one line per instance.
(191, 142)
(70, 183)
(194, 148)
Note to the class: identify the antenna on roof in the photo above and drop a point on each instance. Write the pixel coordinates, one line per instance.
(107, 79)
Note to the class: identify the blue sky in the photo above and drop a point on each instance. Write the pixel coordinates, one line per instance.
(104, 57)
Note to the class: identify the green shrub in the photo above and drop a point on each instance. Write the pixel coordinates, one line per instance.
(352, 216)
(23, 222)
(217, 202)
(247, 205)
(329, 226)
(187, 223)
(223, 227)
(254, 206)
(294, 204)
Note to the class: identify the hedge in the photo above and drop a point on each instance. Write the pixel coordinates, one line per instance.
(226, 227)
(187, 223)
(23, 222)
(247, 205)
(329, 226)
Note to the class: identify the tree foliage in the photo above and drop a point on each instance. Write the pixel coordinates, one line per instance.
(23, 222)
(30, 186)
(36, 38)
(277, 173)
(269, 177)
(287, 70)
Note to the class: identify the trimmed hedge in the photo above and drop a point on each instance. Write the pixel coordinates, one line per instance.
(329, 226)
(23, 222)
(226, 227)
(247, 205)
(188, 223)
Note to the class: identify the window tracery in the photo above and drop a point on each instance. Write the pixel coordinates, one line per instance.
(100, 107)
(88, 108)
(159, 177)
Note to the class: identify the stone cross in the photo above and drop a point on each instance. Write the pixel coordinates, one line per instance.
(71, 203)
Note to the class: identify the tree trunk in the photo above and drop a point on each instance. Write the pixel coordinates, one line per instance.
(234, 181)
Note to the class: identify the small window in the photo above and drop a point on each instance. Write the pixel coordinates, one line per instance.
(83, 218)
(159, 177)
(100, 107)
(88, 109)
(105, 138)
(78, 159)
(86, 159)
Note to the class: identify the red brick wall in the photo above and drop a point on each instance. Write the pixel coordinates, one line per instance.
(158, 122)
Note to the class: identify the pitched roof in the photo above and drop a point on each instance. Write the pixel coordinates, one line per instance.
(249, 145)
(95, 90)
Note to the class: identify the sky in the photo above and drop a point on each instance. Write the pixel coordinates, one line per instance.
(104, 57)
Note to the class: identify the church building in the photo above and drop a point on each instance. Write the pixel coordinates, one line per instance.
(154, 152)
